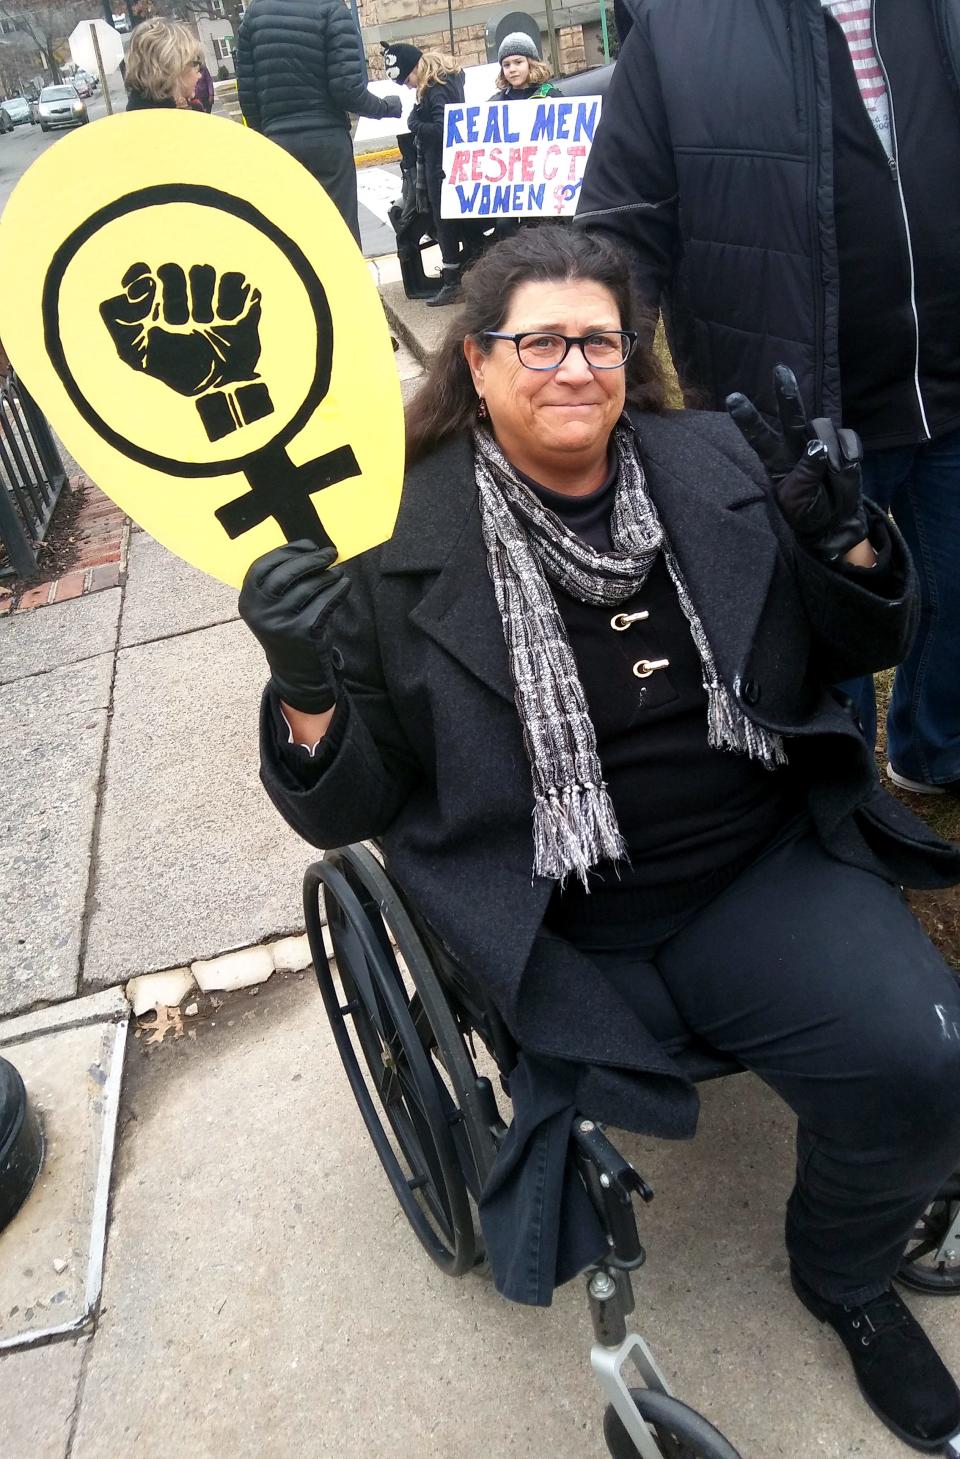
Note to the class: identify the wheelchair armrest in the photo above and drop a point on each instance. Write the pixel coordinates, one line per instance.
(611, 1182)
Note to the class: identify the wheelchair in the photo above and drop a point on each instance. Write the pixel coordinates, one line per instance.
(407, 1020)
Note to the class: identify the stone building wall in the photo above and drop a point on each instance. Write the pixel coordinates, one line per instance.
(469, 40)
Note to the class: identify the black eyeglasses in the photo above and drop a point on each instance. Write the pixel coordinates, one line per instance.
(607, 349)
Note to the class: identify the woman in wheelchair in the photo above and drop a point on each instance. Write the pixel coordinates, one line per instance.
(582, 697)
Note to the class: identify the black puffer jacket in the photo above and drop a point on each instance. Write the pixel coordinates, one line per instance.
(715, 163)
(301, 69)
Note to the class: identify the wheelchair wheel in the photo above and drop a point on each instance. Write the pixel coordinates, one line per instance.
(920, 1268)
(403, 1053)
(680, 1432)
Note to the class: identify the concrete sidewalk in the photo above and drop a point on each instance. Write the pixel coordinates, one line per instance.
(263, 1297)
(137, 835)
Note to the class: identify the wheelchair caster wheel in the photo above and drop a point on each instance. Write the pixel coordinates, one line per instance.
(679, 1432)
(926, 1266)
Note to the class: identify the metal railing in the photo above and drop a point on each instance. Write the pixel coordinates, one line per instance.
(31, 478)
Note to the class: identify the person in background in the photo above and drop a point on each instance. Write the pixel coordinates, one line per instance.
(523, 75)
(438, 82)
(202, 99)
(300, 72)
(784, 179)
(163, 65)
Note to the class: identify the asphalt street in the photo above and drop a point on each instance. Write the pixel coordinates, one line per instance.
(24, 144)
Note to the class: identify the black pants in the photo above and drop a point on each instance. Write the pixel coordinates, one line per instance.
(329, 157)
(445, 230)
(819, 979)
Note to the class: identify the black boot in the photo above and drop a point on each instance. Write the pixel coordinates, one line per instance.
(450, 291)
(898, 1369)
(416, 285)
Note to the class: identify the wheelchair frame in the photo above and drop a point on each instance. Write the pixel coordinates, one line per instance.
(414, 1016)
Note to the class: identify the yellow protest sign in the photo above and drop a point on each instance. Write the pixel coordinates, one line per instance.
(194, 316)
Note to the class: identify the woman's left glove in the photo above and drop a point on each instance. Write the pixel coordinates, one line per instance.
(814, 467)
(287, 601)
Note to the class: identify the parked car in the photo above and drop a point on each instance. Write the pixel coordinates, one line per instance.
(60, 106)
(82, 85)
(93, 81)
(18, 110)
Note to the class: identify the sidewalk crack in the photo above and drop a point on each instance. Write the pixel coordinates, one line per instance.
(78, 1397)
(89, 901)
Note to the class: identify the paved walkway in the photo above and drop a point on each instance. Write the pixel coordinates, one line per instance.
(264, 1299)
(136, 834)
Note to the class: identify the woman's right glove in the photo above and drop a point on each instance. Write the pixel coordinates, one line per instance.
(814, 467)
(287, 601)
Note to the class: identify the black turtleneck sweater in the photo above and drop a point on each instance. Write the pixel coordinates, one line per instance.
(692, 816)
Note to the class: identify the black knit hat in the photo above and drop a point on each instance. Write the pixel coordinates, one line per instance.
(400, 60)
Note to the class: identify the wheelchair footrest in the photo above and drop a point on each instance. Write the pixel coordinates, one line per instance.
(612, 1183)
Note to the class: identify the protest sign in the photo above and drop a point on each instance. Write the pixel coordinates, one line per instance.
(516, 159)
(193, 315)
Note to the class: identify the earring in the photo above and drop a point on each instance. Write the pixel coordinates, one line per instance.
(482, 412)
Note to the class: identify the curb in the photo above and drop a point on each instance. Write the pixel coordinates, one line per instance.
(404, 333)
(373, 159)
(243, 967)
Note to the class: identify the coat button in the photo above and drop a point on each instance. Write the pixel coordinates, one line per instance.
(336, 658)
(750, 692)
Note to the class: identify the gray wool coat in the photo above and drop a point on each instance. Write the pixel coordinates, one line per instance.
(426, 754)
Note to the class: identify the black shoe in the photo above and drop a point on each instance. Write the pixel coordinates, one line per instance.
(898, 1369)
(450, 290)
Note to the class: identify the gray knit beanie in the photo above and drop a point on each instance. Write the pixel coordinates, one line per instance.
(518, 43)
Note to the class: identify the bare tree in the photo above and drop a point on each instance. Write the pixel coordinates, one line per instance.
(191, 10)
(46, 24)
(19, 62)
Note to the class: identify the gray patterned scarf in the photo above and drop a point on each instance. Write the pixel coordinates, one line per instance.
(529, 547)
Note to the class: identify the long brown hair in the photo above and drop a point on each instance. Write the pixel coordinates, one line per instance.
(432, 68)
(539, 73)
(446, 402)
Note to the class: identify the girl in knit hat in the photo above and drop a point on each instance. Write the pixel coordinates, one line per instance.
(523, 75)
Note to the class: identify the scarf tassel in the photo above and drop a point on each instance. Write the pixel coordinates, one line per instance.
(729, 729)
(573, 829)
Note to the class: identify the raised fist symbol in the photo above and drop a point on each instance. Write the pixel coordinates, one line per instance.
(200, 340)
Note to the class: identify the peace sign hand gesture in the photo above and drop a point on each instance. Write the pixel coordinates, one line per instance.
(814, 467)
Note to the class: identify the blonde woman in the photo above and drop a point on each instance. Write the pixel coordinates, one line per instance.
(163, 65)
(438, 82)
(523, 76)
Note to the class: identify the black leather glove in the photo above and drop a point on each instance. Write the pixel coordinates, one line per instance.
(287, 601)
(814, 467)
(393, 106)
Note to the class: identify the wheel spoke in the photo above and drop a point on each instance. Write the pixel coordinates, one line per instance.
(923, 1248)
(422, 1024)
